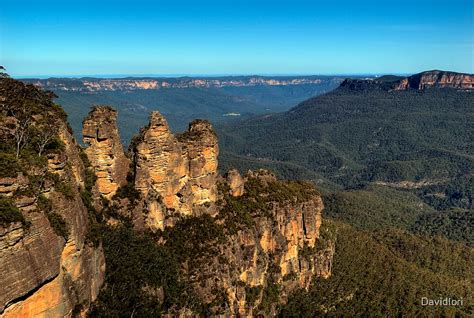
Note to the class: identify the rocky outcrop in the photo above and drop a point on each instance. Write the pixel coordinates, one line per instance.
(277, 248)
(201, 148)
(48, 269)
(420, 81)
(235, 182)
(29, 258)
(241, 246)
(47, 275)
(104, 150)
(175, 174)
(436, 78)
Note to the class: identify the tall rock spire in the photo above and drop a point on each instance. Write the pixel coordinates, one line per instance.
(104, 150)
(176, 174)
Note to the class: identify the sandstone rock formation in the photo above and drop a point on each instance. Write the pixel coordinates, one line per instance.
(176, 176)
(104, 150)
(45, 272)
(175, 173)
(235, 182)
(436, 79)
(420, 81)
(277, 248)
(254, 235)
(200, 145)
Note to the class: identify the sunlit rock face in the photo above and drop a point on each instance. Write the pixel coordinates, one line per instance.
(276, 247)
(436, 79)
(235, 182)
(104, 150)
(200, 144)
(175, 174)
(43, 273)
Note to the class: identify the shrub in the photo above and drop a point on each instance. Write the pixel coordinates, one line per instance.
(127, 191)
(9, 213)
(58, 224)
(65, 189)
(252, 294)
(9, 165)
(44, 204)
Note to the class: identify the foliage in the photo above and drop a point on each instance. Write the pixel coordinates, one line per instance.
(56, 221)
(252, 294)
(455, 224)
(93, 235)
(58, 224)
(374, 207)
(65, 189)
(9, 213)
(136, 261)
(128, 191)
(44, 204)
(9, 165)
(270, 297)
(258, 200)
(351, 138)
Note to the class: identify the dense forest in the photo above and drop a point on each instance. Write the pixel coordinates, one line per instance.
(358, 141)
(395, 168)
(385, 274)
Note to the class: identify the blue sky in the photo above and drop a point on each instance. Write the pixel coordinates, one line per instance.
(235, 37)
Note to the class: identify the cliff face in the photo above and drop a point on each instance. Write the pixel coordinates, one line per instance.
(175, 175)
(271, 244)
(126, 84)
(104, 150)
(265, 232)
(436, 79)
(420, 81)
(47, 268)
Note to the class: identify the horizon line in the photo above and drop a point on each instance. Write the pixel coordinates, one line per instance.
(178, 75)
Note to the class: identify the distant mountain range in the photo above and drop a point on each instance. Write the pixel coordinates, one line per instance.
(413, 133)
(183, 99)
(150, 83)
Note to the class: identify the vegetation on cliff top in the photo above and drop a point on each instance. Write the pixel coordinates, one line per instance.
(259, 199)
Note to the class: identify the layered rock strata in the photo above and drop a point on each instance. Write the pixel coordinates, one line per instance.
(44, 274)
(175, 174)
(277, 249)
(436, 79)
(104, 150)
(47, 268)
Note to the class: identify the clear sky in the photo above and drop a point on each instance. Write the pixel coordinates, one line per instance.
(71, 37)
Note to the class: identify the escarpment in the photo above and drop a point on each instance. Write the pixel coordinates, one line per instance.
(436, 79)
(273, 235)
(259, 246)
(174, 236)
(420, 81)
(253, 238)
(48, 269)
